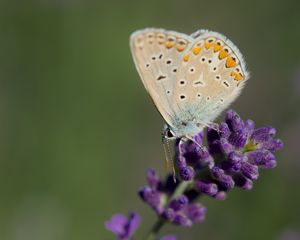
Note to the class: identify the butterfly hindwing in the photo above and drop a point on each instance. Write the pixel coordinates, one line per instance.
(211, 75)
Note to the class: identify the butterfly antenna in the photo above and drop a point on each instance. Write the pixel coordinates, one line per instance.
(169, 161)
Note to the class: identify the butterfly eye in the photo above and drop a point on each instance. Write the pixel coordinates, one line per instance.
(169, 134)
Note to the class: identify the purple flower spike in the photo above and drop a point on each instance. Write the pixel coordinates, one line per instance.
(151, 197)
(196, 212)
(186, 173)
(224, 130)
(243, 182)
(199, 137)
(169, 214)
(123, 227)
(182, 220)
(272, 145)
(210, 189)
(152, 178)
(263, 158)
(225, 146)
(225, 181)
(234, 121)
(263, 134)
(234, 162)
(250, 171)
(234, 154)
(221, 196)
(169, 237)
(239, 139)
(178, 203)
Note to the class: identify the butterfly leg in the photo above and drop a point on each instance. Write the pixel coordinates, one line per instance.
(194, 141)
(214, 126)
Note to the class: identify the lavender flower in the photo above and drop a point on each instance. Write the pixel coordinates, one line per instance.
(123, 227)
(235, 153)
(175, 209)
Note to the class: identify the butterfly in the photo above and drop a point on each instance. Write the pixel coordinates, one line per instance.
(190, 78)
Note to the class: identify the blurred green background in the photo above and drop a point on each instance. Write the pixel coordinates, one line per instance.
(78, 131)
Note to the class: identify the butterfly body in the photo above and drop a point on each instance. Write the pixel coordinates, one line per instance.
(190, 78)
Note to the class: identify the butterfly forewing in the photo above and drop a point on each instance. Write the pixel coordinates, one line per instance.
(157, 55)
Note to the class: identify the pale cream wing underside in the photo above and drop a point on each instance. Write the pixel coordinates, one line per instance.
(157, 54)
(189, 78)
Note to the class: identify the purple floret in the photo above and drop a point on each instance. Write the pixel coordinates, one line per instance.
(123, 227)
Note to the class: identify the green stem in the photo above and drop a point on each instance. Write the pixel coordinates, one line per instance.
(160, 222)
(180, 189)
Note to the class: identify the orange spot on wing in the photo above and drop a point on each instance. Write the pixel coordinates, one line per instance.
(207, 44)
(180, 48)
(217, 47)
(223, 54)
(230, 62)
(196, 50)
(169, 45)
(237, 76)
(186, 57)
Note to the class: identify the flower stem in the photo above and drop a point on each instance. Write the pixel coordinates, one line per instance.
(180, 189)
(160, 222)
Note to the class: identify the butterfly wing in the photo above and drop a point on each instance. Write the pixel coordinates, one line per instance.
(157, 54)
(191, 79)
(210, 76)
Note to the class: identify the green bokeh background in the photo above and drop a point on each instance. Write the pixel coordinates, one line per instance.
(78, 131)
